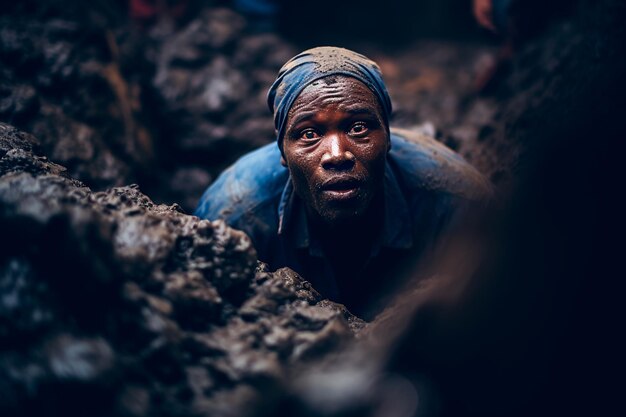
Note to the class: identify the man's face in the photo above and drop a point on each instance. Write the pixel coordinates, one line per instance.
(335, 148)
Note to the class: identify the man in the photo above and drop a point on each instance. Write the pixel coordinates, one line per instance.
(343, 200)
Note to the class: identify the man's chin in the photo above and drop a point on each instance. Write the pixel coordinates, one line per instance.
(343, 212)
(341, 217)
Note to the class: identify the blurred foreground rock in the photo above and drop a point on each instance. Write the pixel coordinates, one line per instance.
(113, 305)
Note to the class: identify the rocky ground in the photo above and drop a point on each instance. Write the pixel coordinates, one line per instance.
(167, 107)
(112, 304)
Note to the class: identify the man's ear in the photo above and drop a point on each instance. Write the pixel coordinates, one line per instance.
(283, 162)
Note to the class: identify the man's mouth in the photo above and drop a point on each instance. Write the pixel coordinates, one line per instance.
(341, 188)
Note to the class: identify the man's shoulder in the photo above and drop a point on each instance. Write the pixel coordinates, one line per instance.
(254, 181)
(425, 164)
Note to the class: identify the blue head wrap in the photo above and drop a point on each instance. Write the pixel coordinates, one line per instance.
(316, 63)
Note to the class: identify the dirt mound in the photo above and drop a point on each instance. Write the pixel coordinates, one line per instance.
(167, 107)
(114, 305)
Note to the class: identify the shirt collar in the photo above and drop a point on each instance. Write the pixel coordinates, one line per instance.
(397, 227)
(396, 232)
(292, 221)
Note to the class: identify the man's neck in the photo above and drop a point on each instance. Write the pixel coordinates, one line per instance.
(355, 235)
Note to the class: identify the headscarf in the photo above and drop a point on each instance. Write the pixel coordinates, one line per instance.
(316, 63)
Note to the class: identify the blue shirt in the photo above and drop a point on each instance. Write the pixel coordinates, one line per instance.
(426, 186)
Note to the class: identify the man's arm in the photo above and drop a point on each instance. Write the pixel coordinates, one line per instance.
(428, 164)
(250, 181)
(246, 195)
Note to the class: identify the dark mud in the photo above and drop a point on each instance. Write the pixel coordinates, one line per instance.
(166, 106)
(113, 305)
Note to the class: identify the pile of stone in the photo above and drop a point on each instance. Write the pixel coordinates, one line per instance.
(113, 305)
(164, 106)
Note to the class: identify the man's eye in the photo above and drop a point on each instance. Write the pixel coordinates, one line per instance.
(309, 134)
(358, 129)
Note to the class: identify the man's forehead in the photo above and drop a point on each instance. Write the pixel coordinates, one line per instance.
(337, 82)
(342, 93)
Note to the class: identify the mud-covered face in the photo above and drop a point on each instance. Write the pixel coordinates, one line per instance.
(335, 148)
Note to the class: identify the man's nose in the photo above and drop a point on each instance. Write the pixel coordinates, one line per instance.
(337, 156)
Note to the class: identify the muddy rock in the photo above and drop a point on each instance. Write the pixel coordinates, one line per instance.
(63, 83)
(165, 106)
(140, 308)
(16, 139)
(210, 79)
(186, 184)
